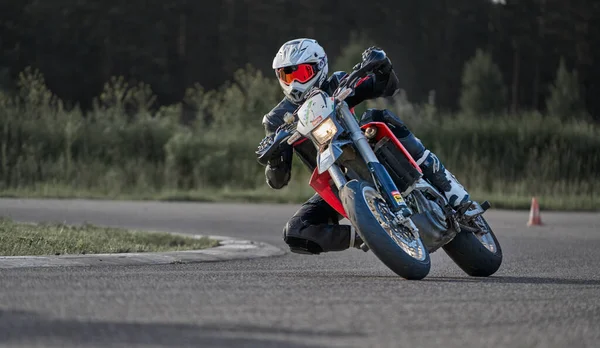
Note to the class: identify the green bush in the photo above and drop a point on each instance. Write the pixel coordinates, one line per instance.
(527, 149)
(126, 145)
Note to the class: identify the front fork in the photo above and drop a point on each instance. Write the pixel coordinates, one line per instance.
(382, 179)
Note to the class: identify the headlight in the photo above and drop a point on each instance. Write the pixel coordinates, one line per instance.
(325, 131)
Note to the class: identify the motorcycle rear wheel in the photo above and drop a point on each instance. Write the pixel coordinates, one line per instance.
(477, 254)
(394, 245)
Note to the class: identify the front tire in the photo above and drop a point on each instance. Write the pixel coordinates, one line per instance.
(477, 255)
(367, 211)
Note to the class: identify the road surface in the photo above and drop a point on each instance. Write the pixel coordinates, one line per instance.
(546, 294)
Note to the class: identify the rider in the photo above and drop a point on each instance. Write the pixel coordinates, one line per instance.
(300, 65)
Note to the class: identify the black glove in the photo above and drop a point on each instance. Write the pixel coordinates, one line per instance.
(279, 155)
(376, 56)
(264, 143)
(282, 158)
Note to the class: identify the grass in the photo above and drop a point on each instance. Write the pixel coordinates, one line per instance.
(513, 197)
(516, 201)
(18, 239)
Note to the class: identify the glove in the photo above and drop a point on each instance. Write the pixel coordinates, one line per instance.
(277, 157)
(264, 143)
(383, 65)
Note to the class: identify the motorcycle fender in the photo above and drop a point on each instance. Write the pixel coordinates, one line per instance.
(327, 157)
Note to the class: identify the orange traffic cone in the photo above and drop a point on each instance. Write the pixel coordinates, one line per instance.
(534, 214)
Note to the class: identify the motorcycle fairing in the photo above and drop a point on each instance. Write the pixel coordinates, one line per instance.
(322, 185)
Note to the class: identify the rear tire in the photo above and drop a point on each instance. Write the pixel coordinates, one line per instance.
(471, 254)
(355, 197)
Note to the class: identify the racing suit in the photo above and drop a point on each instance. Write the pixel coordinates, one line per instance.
(315, 227)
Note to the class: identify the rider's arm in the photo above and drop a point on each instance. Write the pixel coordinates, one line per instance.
(381, 83)
(279, 170)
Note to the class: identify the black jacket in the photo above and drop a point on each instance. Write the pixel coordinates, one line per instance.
(278, 171)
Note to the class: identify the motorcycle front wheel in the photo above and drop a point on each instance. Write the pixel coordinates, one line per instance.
(393, 244)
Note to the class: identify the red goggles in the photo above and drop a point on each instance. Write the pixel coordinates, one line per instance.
(300, 73)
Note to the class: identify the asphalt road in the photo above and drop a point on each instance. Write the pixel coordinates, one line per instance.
(546, 294)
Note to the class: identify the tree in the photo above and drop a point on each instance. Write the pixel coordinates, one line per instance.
(565, 95)
(483, 89)
(351, 54)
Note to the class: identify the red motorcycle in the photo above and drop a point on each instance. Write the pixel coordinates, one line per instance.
(366, 175)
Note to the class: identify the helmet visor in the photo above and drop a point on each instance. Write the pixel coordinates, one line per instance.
(300, 73)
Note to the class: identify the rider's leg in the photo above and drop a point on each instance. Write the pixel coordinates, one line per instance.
(432, 168)
(314, 229)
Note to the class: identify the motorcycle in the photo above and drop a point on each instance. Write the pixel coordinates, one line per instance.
(366, 175)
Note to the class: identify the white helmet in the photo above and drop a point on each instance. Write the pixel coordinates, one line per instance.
(300, 64)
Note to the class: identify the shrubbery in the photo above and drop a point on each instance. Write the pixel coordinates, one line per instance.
(125, 145)
(122, 145)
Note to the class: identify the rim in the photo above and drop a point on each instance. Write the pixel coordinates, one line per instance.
(485, 236)
(401, 235)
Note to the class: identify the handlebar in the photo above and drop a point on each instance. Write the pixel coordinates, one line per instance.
(271, 147)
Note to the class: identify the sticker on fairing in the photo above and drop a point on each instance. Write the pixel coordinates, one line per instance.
(316, 121)
(314, 112)
(397, 197)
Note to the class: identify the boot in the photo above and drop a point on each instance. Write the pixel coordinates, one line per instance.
(443, 180)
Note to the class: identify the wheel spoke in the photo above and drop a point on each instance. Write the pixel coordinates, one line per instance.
(485, 238)
(399, 233)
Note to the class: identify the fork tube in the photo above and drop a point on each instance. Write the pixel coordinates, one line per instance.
(383, 180)
(337, 176)
(356, 134)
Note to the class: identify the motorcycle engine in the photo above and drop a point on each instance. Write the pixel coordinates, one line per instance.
(431, 222)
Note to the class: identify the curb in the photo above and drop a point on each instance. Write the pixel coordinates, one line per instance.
(228, 249)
